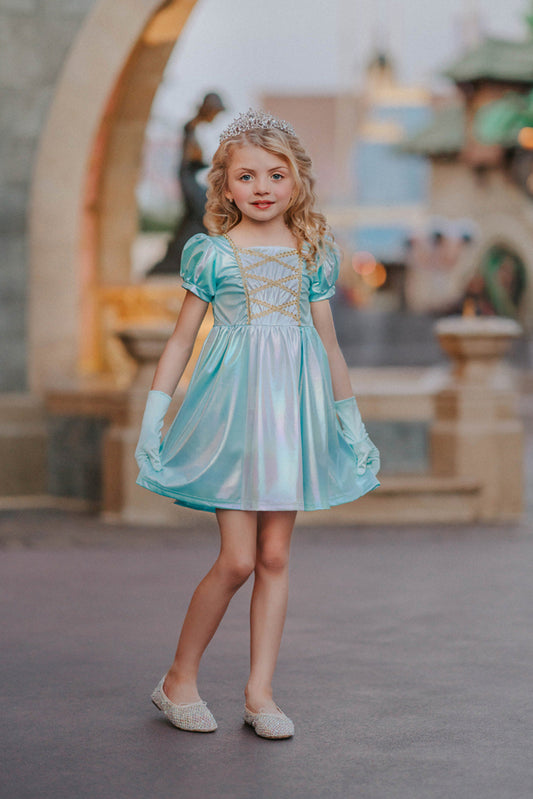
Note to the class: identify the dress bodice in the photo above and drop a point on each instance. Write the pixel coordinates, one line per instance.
(272, 281)
(267, 285)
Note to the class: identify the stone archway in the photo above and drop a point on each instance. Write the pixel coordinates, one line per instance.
(83, 207)
(511, 231)
(504, 279)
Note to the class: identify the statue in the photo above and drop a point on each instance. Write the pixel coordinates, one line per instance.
(194, 194)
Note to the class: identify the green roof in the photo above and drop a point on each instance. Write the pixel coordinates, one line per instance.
(444, 136)
(495, 59)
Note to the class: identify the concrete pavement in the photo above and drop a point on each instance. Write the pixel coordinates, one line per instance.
(407, 665)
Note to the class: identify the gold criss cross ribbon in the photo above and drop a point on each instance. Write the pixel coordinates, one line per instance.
(291, 306)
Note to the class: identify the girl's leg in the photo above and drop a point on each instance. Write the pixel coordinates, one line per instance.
(269, 604)
(235, 563)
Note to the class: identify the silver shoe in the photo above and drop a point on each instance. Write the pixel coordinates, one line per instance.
(269, 725)
(194, 717)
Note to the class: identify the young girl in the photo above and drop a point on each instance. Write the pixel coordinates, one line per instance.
(268, 425)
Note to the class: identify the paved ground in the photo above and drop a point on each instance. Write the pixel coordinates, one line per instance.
(407, 665)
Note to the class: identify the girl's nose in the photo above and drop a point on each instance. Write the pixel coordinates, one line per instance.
(261, 186)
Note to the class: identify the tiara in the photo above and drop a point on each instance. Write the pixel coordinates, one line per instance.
(251, 120)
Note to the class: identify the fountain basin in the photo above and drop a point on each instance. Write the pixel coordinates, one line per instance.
(476, 344)
(145, 344)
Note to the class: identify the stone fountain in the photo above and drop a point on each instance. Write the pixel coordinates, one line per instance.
(476, 346)
(477, 434)
(145, 344)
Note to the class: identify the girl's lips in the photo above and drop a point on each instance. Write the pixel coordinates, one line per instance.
(263, 204)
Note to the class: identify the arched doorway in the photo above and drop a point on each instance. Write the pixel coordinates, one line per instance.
(83, 210)
(499, 283)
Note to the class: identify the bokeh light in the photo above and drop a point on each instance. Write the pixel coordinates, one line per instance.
(525, 138)
(363, 263)
(372, 273)
(377, 277)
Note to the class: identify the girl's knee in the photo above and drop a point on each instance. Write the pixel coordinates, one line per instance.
(236, 570)
(273, 559)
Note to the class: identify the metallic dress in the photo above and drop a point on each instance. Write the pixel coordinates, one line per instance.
(257, 429)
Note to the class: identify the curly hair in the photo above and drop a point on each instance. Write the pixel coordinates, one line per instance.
(309, 227)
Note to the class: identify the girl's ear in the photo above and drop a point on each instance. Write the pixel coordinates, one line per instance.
(227, 195)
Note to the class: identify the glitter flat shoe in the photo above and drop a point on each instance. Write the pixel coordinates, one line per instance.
(194, 716)
(269, 725)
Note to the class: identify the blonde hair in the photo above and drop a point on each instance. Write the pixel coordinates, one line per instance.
(309, 227)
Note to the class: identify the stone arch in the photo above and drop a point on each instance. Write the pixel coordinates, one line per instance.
(504, 277)
(83, 208)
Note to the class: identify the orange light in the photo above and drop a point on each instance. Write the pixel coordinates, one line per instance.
(377, 277)
(525, 138)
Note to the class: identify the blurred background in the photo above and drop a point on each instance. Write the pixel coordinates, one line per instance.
(419, 120)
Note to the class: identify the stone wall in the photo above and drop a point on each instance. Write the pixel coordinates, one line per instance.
(35, 37)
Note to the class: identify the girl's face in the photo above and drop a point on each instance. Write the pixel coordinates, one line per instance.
(260, 183)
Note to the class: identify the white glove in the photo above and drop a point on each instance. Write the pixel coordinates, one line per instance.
(355, 434)
(150, 436)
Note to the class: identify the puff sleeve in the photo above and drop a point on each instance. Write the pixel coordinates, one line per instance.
(323, 279)
(198, 267)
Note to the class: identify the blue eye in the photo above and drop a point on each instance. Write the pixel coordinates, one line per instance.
(277, 176)
(245, 178)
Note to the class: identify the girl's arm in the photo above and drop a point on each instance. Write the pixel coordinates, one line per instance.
(346, 408)
(179, 347)
(323, 322)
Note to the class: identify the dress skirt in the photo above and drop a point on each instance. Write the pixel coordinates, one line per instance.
(257, 429)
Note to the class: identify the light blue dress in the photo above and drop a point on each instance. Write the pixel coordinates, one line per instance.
(257, 429)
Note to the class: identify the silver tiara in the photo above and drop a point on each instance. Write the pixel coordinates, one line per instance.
(251, 120)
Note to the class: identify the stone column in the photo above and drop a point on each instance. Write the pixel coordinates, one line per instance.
(477, 433)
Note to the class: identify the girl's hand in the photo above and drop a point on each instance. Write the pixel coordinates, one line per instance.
(355, 434)
(149, 442)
